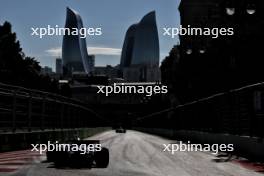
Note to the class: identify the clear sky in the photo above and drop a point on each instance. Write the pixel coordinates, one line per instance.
(113, 16)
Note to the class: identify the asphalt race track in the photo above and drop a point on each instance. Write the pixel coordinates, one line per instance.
(139, 154)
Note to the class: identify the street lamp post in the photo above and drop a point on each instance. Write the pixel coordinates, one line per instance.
(189, 51)
(230, 11)
(251, 8)
(230, 7)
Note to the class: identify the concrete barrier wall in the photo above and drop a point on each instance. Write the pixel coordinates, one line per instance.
(249, 147)
(23, 140)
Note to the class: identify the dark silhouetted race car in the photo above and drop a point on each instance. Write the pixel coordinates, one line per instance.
(79, 154)
(120, 130)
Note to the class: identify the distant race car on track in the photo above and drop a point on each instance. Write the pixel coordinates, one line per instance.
(120, 130)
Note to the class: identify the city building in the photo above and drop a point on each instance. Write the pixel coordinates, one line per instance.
(91, 62)
(74, 50)
(142, 73)
(140, 52)
(170, 68)
(199, 14)
(109, 71)
(211, 65)
(59, 66)
(46, 70)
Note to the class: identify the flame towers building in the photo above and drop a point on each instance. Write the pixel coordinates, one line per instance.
(140, 52)
(74, 50)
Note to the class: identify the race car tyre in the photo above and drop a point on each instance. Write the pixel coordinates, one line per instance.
(50, 156)
(102, 158)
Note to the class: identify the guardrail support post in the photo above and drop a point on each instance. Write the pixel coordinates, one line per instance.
(61, 116)
(29, 112)
(14, 112)
(43, 111)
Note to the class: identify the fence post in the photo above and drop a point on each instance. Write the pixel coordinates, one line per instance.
(14, 111)
(29, 111)
(61, 115)
(43, 111)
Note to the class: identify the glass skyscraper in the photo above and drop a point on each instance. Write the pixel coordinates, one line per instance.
(141, 45)
(74, 49)
(140, 52)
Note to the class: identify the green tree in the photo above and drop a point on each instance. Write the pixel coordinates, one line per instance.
(16, 68)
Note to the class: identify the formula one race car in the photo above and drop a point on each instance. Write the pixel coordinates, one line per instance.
(79, 154)
(120, 130)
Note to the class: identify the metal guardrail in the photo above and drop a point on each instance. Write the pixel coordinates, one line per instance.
(239, 111)
(26, 109)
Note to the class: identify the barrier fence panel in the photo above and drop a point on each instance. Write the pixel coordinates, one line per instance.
(238, 112)
(25, 109)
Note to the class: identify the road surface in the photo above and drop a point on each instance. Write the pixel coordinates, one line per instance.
(139, 154)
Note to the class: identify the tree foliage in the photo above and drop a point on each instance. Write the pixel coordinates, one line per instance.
(18, 69)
